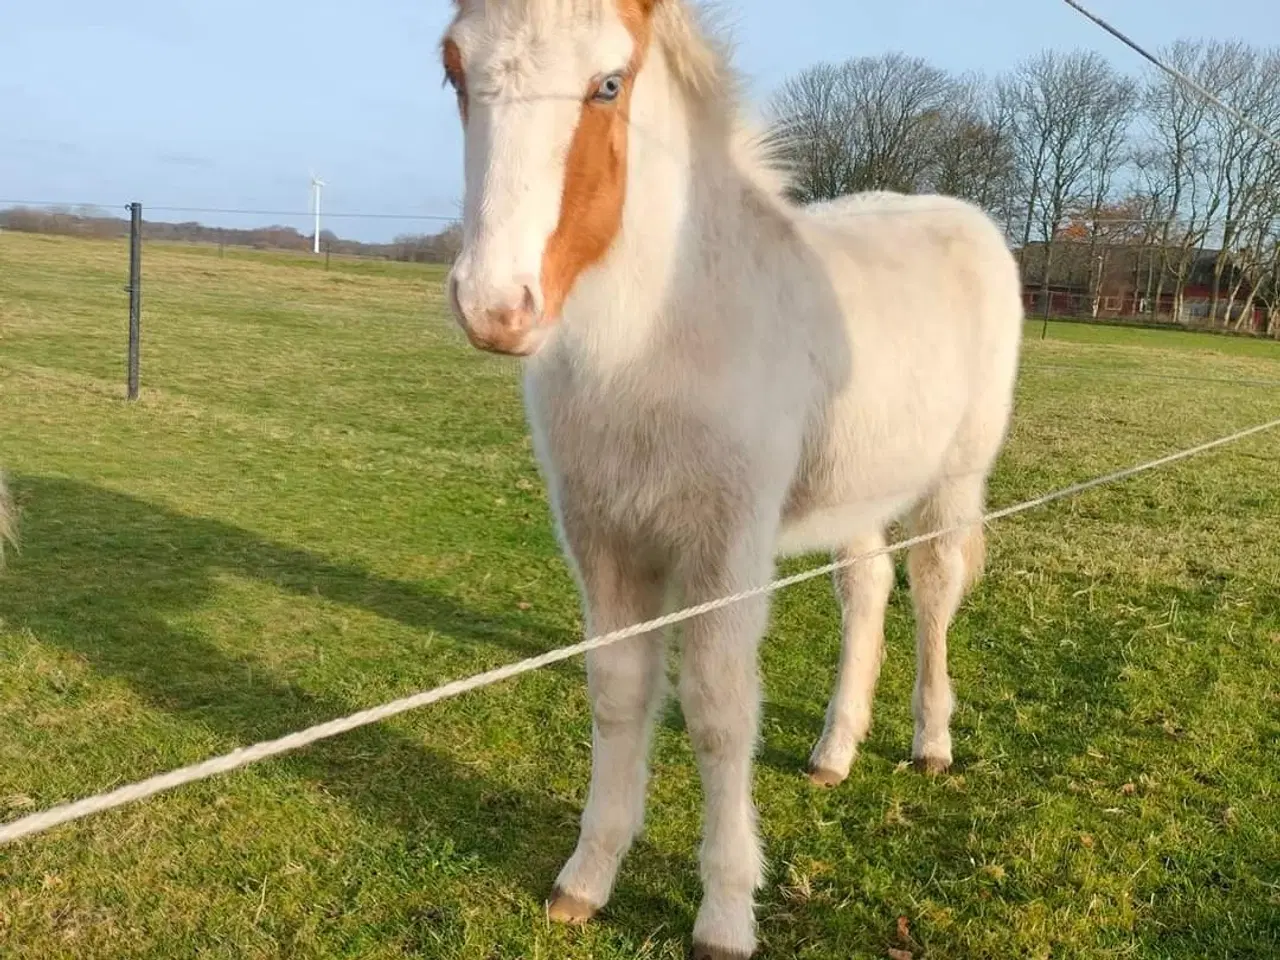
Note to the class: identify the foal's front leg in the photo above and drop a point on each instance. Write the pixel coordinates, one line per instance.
(625, 682)
(720, 695)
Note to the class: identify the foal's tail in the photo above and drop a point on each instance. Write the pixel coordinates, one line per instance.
(8, 519)
(974, 550)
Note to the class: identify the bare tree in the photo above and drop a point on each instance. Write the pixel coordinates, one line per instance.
(1070, 116)
(1111, 112)
(894, 103)
(1143, 178)
(812, 135)
(1248, 168)
(1188, 169)
(869, 123)
(971, 149)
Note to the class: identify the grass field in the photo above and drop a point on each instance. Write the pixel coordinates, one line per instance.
(325, 500)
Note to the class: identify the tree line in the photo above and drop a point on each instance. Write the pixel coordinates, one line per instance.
(1104, 182)
(439, 247)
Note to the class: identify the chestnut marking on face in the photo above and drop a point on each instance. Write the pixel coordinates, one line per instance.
(595, 182)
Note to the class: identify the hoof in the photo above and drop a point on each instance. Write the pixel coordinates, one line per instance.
(704, 952)
(931, 765)
(563, 908)
(822, 777)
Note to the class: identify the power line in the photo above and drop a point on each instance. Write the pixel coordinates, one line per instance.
(870, 210)
(296, 213)
(237, 211)
(1178, 75)
(445, 218)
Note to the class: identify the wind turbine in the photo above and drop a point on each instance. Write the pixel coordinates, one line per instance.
(316, 184)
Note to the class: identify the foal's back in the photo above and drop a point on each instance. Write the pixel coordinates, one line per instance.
(929, 331)
(920, 262)
(928, 285)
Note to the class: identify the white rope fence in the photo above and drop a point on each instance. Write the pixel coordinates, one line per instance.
(47, 819)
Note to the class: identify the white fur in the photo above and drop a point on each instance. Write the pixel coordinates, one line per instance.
(737, 379)
(8, 519)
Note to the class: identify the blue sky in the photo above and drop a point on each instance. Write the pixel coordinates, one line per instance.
(232, 104)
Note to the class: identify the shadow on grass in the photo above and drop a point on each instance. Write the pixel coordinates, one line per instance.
(102, 573)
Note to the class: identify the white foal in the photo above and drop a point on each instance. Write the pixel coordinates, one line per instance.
(716, 377)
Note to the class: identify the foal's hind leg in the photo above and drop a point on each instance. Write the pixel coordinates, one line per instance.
(941, 570)
(863, 590)
(625, 682)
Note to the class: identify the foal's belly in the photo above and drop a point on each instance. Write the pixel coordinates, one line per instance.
(831, 528)
(859, 481)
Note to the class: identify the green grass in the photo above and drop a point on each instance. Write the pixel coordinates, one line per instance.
(1101, 333)
(324, 500)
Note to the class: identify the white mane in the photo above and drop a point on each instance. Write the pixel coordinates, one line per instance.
(698, 52)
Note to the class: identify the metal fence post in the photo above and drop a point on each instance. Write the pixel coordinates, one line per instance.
(135, 297)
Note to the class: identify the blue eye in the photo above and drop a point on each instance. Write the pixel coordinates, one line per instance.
(609, 88)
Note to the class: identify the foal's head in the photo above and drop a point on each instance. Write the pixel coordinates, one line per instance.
(544, 94)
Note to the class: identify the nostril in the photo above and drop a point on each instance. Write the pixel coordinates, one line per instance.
(532, 302)
(508, 319)
(518, 314)
(454, 302)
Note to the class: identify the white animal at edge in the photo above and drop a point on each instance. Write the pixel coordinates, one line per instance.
(8, 519)
(715, 377)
